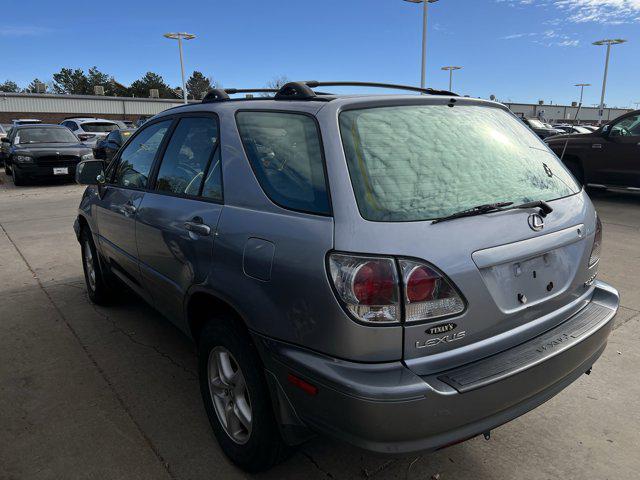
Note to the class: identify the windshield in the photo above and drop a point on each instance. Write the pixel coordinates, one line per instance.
(411, 163)
(45, 135)
(99, 127)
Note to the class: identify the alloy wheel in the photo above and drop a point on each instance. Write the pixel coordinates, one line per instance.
(229, 394)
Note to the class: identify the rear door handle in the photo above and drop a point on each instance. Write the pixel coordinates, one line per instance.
(196, 226)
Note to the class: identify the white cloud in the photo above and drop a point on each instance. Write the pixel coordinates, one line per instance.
(612, 12)
(549, 38)
(22, 31)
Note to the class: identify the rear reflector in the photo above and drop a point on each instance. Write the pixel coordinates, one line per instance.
(302, 385)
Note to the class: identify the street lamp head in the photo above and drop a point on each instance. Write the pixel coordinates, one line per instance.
(582, 85)
(610, 41)
(451, 67)
(421, 1)
(182, 35)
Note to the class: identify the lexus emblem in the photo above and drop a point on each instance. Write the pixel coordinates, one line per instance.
(536, 222)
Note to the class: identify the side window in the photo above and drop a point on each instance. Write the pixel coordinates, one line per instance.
(627, 127)
(187, 156)
(136, 160)
(213, 183)
(285, 153)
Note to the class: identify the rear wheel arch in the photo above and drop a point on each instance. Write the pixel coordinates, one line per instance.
(203, 306)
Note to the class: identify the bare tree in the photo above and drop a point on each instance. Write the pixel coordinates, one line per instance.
(277, 82)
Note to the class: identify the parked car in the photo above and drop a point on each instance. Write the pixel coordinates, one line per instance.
(105, 149)
(539, 128)
(571, 129)
(124, 124)
(90, 130)
(26, 121)
(609, 156)
(42, 151)
(141, 120)
(591, 128)
(3, 134)
(378, 282)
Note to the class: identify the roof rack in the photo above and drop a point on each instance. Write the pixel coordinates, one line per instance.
(303, 90)
(392, 86)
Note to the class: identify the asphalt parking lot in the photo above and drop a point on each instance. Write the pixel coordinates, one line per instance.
(112, 393)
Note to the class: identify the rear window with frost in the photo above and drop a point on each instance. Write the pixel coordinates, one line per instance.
(423, 162)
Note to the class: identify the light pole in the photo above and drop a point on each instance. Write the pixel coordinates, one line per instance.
(451, 68)
(181, 36)
(608, 43)
(581, 85)
(425, 8)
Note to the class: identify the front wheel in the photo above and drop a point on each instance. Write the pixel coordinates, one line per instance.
(236, 397)
(99, 291)
(18, 178)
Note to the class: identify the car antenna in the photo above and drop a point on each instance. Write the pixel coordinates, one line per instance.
(564, 149)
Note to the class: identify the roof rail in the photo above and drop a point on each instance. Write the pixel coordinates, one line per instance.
(231, 91)
(303, 90)
(393, 86)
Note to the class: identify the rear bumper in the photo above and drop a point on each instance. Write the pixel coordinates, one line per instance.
(388, 408)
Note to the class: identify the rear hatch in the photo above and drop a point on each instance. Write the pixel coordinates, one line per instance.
(96, 131)
(519, 273)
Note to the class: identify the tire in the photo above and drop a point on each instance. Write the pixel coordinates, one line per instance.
(100, 291)
(258, 446)
(7, 169)
(18, 178)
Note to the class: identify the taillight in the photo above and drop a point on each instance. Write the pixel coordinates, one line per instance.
(594, 258)
(367, 286)
(85, 136)
(428, 293)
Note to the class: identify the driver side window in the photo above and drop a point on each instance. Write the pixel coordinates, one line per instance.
(136, 160)
(627, 127)
(187, 156)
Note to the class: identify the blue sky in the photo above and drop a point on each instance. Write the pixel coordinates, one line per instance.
(519, 50)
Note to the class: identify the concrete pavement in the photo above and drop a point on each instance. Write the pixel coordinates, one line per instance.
(112, 393)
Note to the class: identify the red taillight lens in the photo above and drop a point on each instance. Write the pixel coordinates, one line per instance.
(369, 289)
(367, 286)
(428, 293)
(421, 284)
(596, 250)
(374, 283)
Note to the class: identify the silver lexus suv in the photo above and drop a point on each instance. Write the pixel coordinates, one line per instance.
(400, 272)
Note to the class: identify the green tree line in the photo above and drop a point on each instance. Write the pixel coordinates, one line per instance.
(70, 81)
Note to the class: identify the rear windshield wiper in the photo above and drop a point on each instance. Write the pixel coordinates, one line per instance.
(477, 210)
(544, 207)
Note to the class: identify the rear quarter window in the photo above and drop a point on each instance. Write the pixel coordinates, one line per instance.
(285, 153)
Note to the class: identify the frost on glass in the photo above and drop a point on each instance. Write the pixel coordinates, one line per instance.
(423, 162)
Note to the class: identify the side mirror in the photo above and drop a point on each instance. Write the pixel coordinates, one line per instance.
(605, 130)
(90, 172)
(5, 140)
